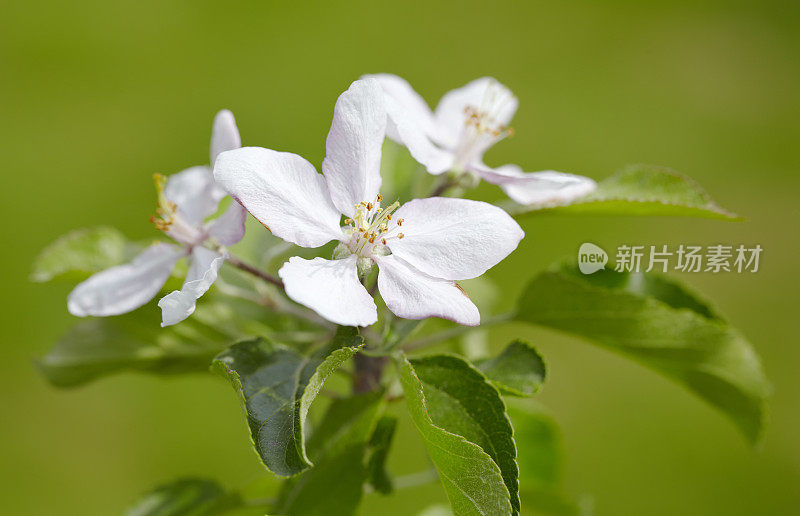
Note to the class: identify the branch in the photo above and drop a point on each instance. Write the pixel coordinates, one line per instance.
(269, 278)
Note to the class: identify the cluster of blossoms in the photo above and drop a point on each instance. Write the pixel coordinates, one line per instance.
(421, 248)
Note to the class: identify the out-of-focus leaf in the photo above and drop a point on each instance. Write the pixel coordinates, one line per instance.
(642, 190)
(518, 371)
(540, 457)
(661, 325)
(185, 497)
(133, 342)
(464, 425)
(277, 385)
(338, 447)
(379, 445)
(82, 251)
(398, 171)
(98, 347)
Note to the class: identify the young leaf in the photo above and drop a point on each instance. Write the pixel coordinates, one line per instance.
(133, 342)
(463, 422)
(643, 190)
(665, 329)
(276, 386)
(540, 457)
(84, 251)
(338, 447)
(190, 496)
(379, 445)
(518, 371)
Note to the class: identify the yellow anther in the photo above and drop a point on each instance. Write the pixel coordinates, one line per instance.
(378, 210)
(389, 217)
(369, 206)
(348, 221)
(372, 239)
(400, 222)
(401, 236)
(379, 198)
(383, 241)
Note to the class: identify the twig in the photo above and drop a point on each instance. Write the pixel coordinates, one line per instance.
(441, 188)
(269, 278)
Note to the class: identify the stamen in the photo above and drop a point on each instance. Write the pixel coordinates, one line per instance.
(400, 236)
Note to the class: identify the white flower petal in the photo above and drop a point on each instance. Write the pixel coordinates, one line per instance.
(485, 94)
(412, 104)
(283, 191)
(411, 294)
(180, 304)
(224, 134)
(124, 288)
(404, 130)
(330, 288)
(194, 193)
(229, 227)
(537, 188)
(353, 148)
(454, 239)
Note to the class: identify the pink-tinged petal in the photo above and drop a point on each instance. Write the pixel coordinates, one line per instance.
(454, 239)
(124, 288)
(411, 294)
(353, 148)
(486, 95)
(229, 227)
(537, 188)
(180, 304)
(330, 288)
(224, 134)
(194, 193)
(283, 191)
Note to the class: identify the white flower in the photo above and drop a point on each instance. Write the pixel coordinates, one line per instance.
(184, 202)
(421, 248)
(466, 123)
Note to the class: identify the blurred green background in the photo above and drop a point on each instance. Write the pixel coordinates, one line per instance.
(97, 96)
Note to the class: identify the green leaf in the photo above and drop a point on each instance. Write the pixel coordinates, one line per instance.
(379, 445)
(95, 348)
(661, 325)
(276, 386)
(185, 497)
(463, 423)
(82, 251)
(335, 485)
(518, 371)
(98, 347)
(541, 459)
(643, 190)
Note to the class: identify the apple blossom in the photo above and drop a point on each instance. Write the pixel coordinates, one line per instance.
(467, 122)
(421, 248)
(185, 200)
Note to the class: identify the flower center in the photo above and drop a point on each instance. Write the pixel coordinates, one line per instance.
(369, 230)
(481, 126)
(169, 220)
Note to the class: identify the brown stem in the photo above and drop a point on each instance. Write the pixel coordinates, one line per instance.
(239, 264)
(441, 188)
(368, 373)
